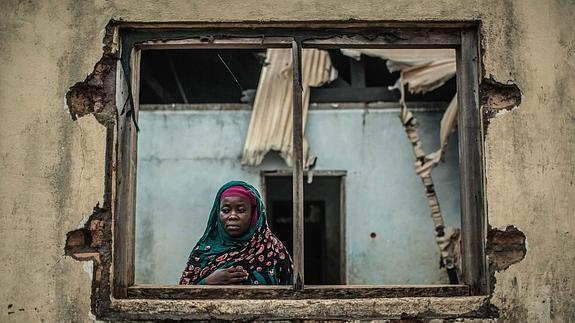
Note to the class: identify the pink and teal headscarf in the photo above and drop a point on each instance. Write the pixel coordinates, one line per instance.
(258, 251)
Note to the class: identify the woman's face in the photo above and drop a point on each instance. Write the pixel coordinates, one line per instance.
(236, 215)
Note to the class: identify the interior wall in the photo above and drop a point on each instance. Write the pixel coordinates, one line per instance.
(185, 156)
(51, 168)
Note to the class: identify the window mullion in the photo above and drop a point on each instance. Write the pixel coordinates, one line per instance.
(470, 158)
(124, 232)
(298, 223)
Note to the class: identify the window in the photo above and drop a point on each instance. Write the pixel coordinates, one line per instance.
(139, 46)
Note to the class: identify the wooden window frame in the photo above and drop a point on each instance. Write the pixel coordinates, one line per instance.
(463, 37)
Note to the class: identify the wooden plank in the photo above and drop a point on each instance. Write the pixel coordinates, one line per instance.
(287, 292)
(350, 94)
(471, 164)
(121, 244)
(349, 38)
(125, 208)
(133, 160)
(255, 42)
(394, 38)
(298, 223)
(115, 47)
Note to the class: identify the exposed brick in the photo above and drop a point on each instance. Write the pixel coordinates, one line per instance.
(505, 248)
(495, 95)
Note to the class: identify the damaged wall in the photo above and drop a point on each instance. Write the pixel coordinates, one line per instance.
(52, 168)
(382, 190)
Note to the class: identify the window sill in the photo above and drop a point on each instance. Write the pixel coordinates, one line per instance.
(206, 292)
(280, 309)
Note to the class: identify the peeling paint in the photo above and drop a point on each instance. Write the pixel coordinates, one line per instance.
(503, 112)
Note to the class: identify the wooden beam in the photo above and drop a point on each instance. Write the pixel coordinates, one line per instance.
(361, 39)
(350, 94)
(287, 292)
(125, 201)
(471, 164)
(339, 36)
(298, 223)
(119, 250)
(393, 38)
(255, 42)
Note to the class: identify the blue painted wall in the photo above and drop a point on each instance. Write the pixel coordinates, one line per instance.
(185, 156)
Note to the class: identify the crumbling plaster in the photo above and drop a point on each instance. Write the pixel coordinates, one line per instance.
(530, 162)
(52, 169)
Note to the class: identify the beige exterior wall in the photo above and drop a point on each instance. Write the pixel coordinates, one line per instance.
(52, 168)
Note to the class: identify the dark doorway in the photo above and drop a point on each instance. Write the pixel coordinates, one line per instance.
(323, 237)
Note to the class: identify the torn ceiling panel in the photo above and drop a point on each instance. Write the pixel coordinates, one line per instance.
(428, 77)
(448, 124)
(423, 70)
(271, 121)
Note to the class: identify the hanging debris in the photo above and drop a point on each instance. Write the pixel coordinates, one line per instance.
(423, 71)
(271, 122)
(447, 239)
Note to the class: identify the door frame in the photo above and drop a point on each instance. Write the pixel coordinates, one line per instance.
(341, 174)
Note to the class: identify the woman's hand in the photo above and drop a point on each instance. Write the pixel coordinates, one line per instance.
(227, 276)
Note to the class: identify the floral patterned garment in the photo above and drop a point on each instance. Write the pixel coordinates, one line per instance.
(259, 251)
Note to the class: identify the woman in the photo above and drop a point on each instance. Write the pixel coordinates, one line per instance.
(237, 246)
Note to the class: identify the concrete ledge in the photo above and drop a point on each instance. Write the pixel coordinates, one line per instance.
(383, 308)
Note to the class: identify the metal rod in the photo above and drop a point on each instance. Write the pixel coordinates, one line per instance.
(231, 73)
